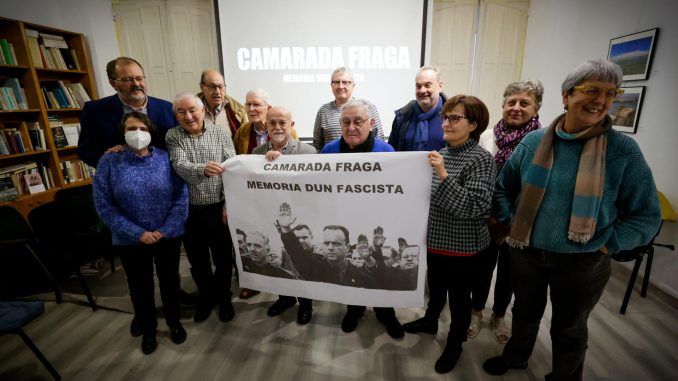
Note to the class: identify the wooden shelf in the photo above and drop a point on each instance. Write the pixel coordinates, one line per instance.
(31, 78)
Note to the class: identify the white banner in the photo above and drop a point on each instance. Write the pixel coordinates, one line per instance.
(348, 228)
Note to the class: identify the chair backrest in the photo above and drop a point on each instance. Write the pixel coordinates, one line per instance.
(13, 225)
(48, 225)
(78, 206)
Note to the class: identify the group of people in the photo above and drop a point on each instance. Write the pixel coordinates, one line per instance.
(375, 267)
(547, 204)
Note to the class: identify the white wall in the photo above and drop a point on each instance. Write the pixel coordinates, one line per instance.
(93, 18)
(563, 34)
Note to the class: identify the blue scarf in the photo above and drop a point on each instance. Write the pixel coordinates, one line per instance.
(421, 133)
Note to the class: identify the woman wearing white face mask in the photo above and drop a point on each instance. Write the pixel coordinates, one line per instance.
(145, 205)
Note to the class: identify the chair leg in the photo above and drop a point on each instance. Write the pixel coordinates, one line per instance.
(112, 263)
(648, 270)
(39, 354)
(632, 282)
(57, 292)
(83, 282)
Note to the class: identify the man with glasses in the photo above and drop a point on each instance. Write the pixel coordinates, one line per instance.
(254, 133)
(100, 119)
(326, 127)
(220, 108)
(196, 150)
(280, 123)
(417, 126)
(357, 135)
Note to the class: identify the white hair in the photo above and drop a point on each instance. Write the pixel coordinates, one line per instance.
(186, 95)
(259, 93)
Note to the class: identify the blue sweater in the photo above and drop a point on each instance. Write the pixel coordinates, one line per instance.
(629, 214)
(379, 146)
(135, 194)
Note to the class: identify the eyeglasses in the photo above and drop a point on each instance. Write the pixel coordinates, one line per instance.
(281, 123)
(594, 91)
(345, 83)
(345, 123)
(139, 78)
(452, 119)
(213, 87)
(253, 105)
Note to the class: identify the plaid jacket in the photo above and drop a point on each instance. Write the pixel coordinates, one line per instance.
(461, 204)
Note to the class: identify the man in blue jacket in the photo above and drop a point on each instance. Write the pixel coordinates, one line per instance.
(100, 119)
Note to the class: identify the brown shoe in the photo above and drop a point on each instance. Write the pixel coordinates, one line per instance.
(246, 293)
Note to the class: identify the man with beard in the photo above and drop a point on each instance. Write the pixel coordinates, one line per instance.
(417, 126)
(279, 123)
(100, 119)
(220, 109)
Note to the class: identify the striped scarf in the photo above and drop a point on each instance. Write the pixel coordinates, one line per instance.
(588, 189)
(507, 138)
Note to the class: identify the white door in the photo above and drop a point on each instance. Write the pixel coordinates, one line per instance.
(478, 45)
(174, 41)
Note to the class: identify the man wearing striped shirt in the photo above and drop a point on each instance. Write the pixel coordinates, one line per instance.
(327, 128)
(197, 150)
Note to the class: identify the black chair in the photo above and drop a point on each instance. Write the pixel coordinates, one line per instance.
(21, 254)
(14, 316)
(85, 222)
(59, 240)
(637, 255)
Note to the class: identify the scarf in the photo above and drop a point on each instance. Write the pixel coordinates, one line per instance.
(421, 132)
(507, 138)
(588, 189)
(366, 146)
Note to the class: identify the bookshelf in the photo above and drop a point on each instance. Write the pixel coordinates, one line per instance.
(28, 112)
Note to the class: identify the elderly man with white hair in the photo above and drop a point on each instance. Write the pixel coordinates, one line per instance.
(197, 150)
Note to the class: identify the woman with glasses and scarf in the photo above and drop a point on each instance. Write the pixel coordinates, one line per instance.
(572, 193)
(145, 205)
(520, 108)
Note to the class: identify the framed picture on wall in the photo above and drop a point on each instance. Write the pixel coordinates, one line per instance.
(625, 110)
(634, 53)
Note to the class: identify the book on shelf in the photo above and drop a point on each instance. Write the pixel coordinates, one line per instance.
(61, 55)
(14, 140)
(76, 170)
(59, 95)
(34, 47)
(59, 136)
(22, 179)
(8, 55)
(17, 93)
(72, 132)
(36, 136)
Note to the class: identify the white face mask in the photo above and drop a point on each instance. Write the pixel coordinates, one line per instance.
(137, 139)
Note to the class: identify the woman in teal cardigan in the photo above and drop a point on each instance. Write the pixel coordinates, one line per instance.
(572, 193)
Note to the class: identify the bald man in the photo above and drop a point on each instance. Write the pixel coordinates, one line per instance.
(279, 124)
(220, 108)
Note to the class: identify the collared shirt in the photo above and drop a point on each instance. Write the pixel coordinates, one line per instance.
(189, 154)
(282, 150)
(260, 137)
(218, 117)
(127, 108)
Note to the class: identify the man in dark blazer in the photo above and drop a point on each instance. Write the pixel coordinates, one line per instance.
(100, 119)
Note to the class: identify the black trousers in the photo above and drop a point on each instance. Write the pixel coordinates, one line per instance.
(497, 255)
(207, 237)
(137, 261)
(452, 277)
(303, 302)
(384, 314)
(576, 282)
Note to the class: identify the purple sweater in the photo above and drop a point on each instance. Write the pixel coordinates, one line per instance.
(135, 194)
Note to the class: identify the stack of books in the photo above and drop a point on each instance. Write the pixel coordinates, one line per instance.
(76, 170)
(19, 137)
(60, 95)
(22, 179)
(64, 134)
(51, 51)
(7, 55)
(12, 95)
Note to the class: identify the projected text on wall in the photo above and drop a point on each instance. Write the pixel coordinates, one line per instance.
(296, 58)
